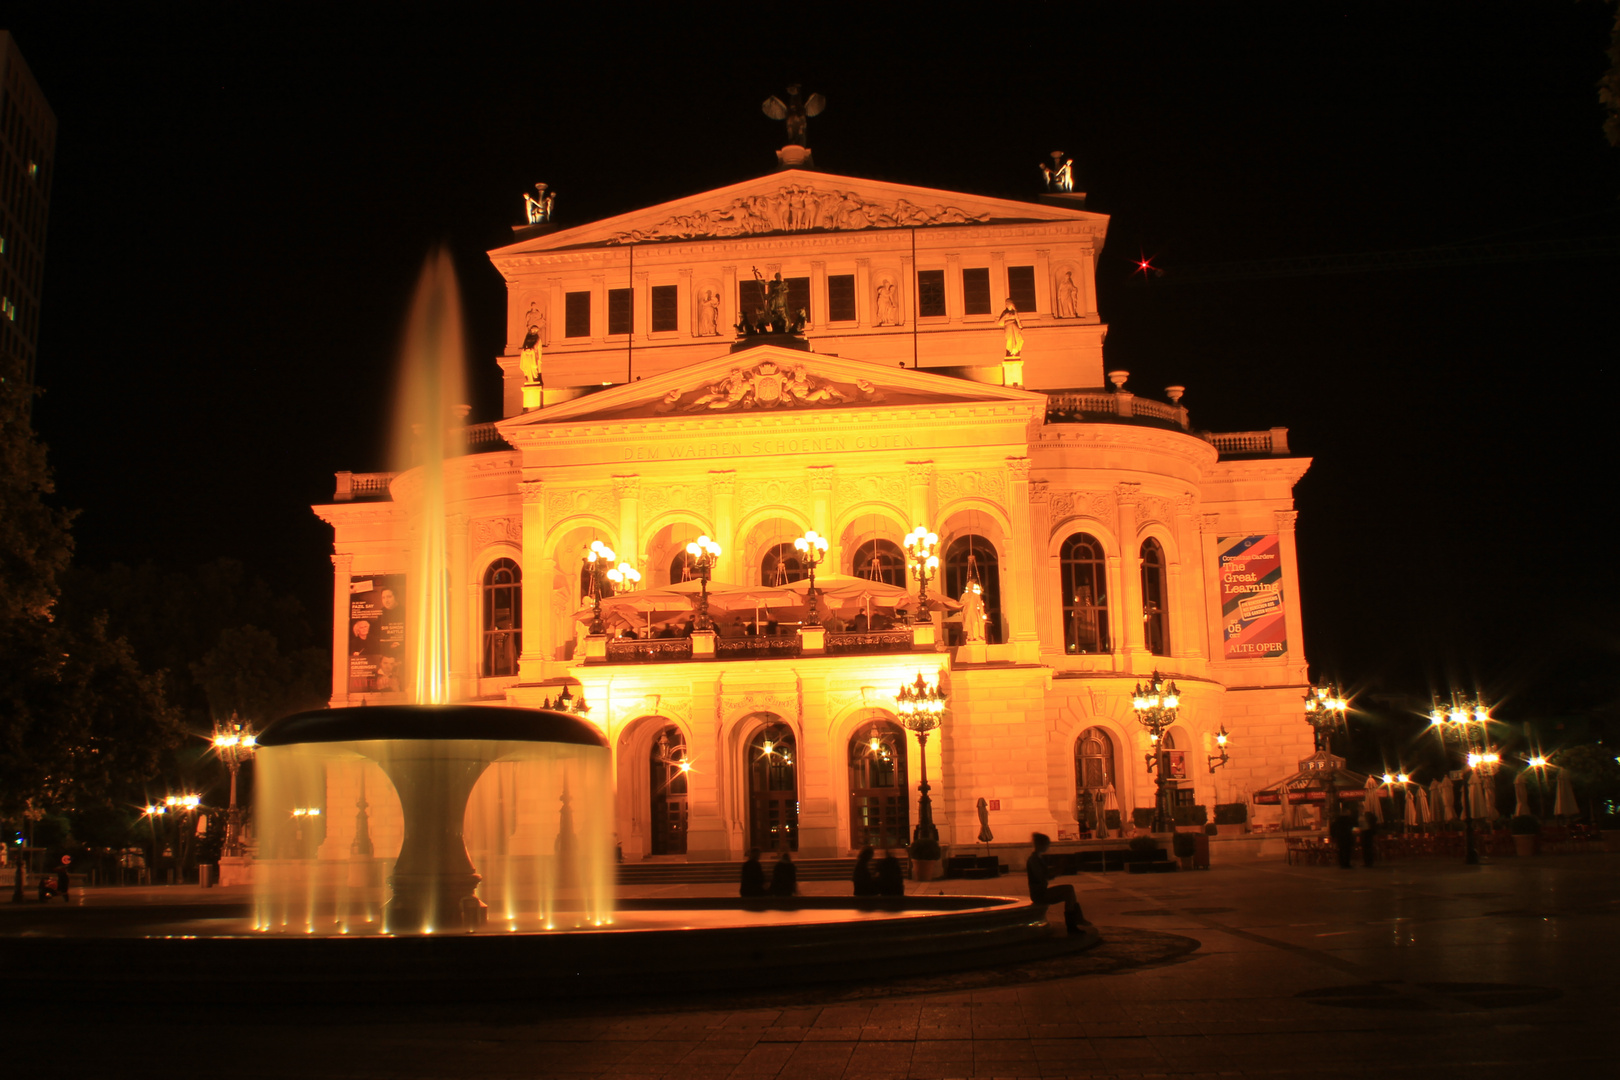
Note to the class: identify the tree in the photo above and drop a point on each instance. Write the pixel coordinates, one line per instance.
(247, 675)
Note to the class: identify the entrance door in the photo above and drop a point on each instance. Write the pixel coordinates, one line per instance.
(879, 803)
(668, 782)
(773, 790)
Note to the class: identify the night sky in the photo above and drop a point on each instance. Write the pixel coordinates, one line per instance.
(242, 204)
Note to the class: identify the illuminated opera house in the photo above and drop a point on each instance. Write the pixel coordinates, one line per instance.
(807, 355)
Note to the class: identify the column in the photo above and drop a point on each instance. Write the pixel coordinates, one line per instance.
(457, 573)
(627, 489)
(1088, 282)
(728, 298)
(821, 482)
(863, 292)
(1292, 624)
(920, 487)
(1130, 595)
(1209, 532)
(1043, 281)
(342, 565)
(1026, 640)
(908, 290)
(953, 288)
(818, 292)
(640, 307)
(1192, 638)
(723, 488)
(685, 302)
(598, 308)
(539, 571)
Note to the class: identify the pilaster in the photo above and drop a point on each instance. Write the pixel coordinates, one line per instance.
(723, 488)
(863, 292)
(920, 488)
(1126, 496)
(1292, 623)
(342, 570)
(539, 573)
(628, 491)
(1026, 640)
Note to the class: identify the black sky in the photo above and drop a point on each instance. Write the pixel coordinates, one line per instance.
(242, 203)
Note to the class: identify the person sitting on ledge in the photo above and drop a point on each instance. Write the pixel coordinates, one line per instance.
(753, 876)
(866, 882)
(1043, 892)
(784, 877)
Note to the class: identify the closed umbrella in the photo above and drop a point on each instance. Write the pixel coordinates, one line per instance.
(985, 835)
(1490, 798)
(1477, 805)
(1374, 802)
(1420, 799)
(1521, 797)
(1565, 804)
(1110, 802)
(1440, 800)
(1412, 817)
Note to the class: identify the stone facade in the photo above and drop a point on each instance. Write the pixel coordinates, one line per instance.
(646, 438)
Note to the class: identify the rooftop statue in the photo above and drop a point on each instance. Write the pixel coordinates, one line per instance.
(1060, 174)
(795, 112)
(537, 208)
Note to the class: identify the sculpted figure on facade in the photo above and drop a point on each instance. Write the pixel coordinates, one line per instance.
(1009, 322)
(533, 337)
(796, 208)
(973, 616)
(888, 304)
(708, 320)
(1068, 297)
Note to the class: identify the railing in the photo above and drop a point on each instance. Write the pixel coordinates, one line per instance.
(756, 648)
(353, 485)
(483, 437)
(871, 641)
(1274, 441)
(1072, 407)
(651, 651)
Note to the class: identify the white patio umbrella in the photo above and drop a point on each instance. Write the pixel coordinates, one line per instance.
(1565, 805)
(1411, 817)
(1374, 802)
(1417, 797)
(1521, 797)
(1478, 805)
(1490, 798)
(1440, 795)
(1110, 802)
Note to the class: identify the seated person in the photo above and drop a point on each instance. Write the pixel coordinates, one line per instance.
(858, 624)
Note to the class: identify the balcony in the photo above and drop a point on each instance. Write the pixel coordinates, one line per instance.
(773, 647)
(1112, 407)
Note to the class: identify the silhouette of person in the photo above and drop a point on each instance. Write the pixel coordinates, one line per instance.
(866, 882)
(891, 882)
(1042, 891)
(784, 877)
(753, 876)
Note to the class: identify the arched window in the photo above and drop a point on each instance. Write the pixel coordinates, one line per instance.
(773, 789)
(780, 566)
(879, 802)
(680, 569)
(668, 765)
(1085, 603)
(1155, 600)
(880, 560)
(972, 556)
(503, 618)
(1093, 776)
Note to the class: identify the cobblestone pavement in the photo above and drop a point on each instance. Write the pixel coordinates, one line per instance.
(1254, 969)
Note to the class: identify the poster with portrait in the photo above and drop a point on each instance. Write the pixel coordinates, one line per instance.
(1252, 621)
(377, 634)
(1175, 764)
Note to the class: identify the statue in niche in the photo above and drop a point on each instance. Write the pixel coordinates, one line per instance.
(888, 304)
(973, 616)
(708, 321)
(1015, 329)
(794, 111)
(537, 208)
(533, 339)
(1068, 297)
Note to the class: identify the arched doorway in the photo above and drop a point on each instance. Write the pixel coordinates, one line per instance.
(880, 560)
(781, 566)
(773, 789)
(1094, 771)
(503, 618)
(667, 787)
(879, 801)
(973, 558)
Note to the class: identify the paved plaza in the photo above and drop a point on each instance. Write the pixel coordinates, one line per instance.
(1255, 968)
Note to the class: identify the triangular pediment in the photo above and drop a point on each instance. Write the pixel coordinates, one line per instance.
(768, 381)
(799, 201)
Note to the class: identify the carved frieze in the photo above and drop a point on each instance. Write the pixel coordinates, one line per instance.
(1153, 508)
(1285, 520)
(486, 531)
(656, 498)
(627, 487)
(567, 503)
(768, 386)
(988, 484)
(791, 491)
(796, 208)
(734, 707)
(853, 490)
(1067, 504)
(531, 490)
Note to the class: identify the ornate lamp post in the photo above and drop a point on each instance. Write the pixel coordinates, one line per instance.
(598, 564)
(812, 548)
(920, 557)
(234, 744)
(704, 552)
(1324, 711)
(568, 703)
(1222, 738)
(1467, 725)
(921, 706)
(1155, 705)
(624, 577)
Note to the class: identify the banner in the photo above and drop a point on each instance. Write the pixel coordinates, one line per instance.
(377, 634)
(1251, 597)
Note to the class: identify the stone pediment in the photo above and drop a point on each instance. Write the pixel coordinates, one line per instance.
(798, 201)
(769, 381)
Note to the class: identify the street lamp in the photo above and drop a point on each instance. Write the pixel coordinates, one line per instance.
(921, 706)
(1155, 706)
(1324, 711)
(174, 808)
(1222, 737)
(812, 548)
(234, 744)
(598, 564)
(920, 557)
(704, 553)
(1467, 724)
(568, 703)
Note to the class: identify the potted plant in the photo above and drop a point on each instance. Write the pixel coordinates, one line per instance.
(1142, 817)
(1190, 817)
(1144, 849)
(1186, 846)
(1113, 821)
(924, 860)
(1232, 818)
(1526, 830)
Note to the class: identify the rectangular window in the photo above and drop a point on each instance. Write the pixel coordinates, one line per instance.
(841, 298)
(665, 312)
(577, 314)
(1021, 287)
(976, 290)
(930, 293)
(618, 311)
(798, 298)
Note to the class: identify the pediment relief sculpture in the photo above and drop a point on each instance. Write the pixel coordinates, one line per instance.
(797, 208)
(768, 385)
